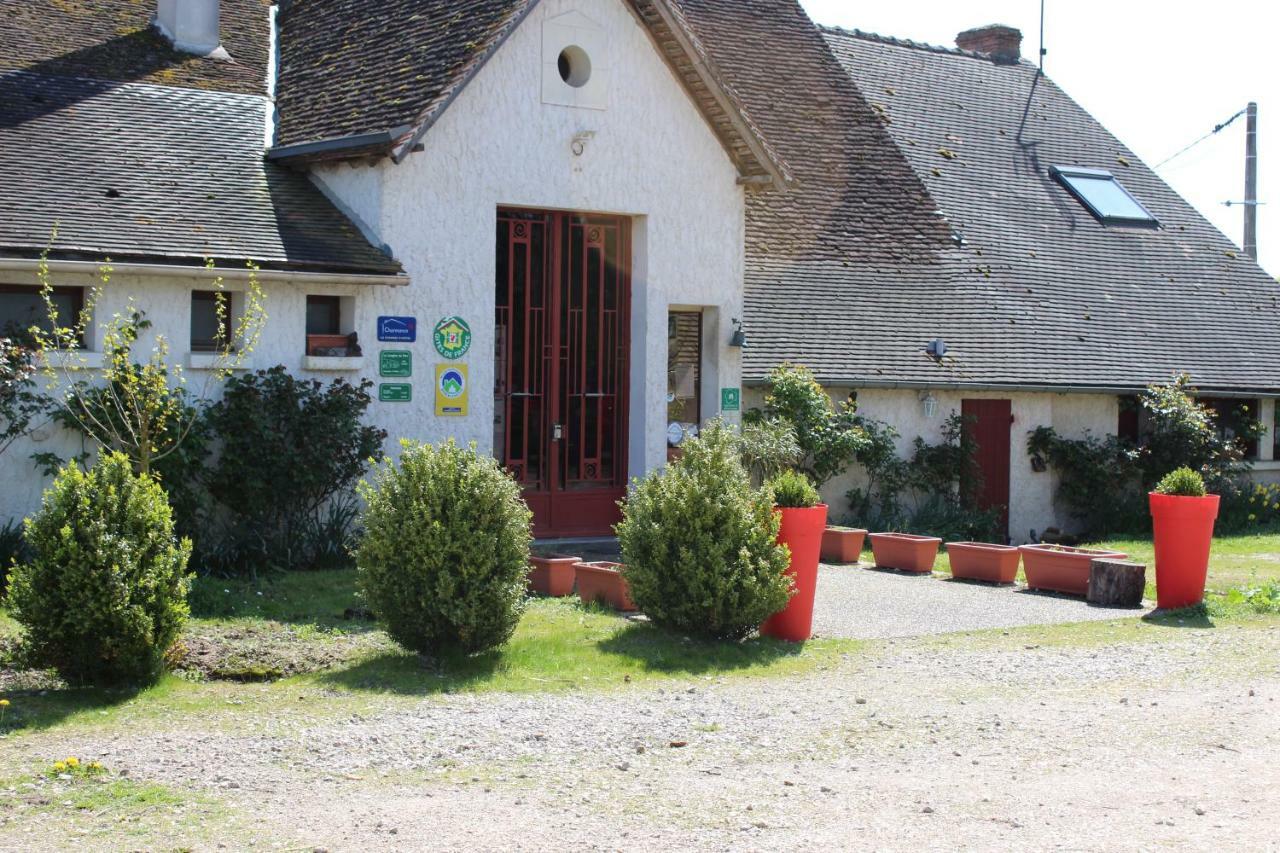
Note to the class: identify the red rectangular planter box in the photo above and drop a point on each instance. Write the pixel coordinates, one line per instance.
(982, 562)
(842, 544)
(905, 552)
(552, 575)
(604, 583)
(1059, 568)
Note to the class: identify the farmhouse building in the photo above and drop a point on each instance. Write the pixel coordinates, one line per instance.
(573, 230)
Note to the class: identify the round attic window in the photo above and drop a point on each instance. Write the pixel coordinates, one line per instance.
(575, 66)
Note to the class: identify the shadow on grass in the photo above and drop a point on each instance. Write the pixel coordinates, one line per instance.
(323, 598)
(1188, 617)
(409, 674)
(658, 651)
(38, 709)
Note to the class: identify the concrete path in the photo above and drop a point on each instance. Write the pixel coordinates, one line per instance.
(857, 602)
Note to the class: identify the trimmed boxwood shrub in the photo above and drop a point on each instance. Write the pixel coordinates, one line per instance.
(104, 596)
(699, 543)
(445, 552)
(793, 490)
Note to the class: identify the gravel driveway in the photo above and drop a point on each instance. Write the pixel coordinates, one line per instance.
(865, 603)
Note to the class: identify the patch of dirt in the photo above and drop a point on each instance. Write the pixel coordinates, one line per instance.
(267, 651)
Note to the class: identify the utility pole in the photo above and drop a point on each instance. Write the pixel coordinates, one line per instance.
(1251, 181)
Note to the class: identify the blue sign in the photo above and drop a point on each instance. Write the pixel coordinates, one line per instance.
(400, 330)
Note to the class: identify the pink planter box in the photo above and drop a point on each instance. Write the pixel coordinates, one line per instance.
(553, 575)
(1059, 568)
(905, 552)
(604, 583)
(982, 562)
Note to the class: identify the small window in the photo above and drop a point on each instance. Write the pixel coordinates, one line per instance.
(211, 320)
(22, 306)
(684, 377)
(1104, 196)
(1237, 421)
(325, 336)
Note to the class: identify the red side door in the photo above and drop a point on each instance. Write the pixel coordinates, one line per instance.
(989, 425)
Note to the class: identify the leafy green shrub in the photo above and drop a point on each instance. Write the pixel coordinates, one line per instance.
(21, 402)
(1182, 432)
(1099, 482)
(793, 490)
(768, 447)
(829, 436)
(105, 595)
(13, 549)
(699, 543)
(1182, 482)
(290, 448)
(445, 554)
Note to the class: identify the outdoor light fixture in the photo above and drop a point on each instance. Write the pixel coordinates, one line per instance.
(930, 404)
(580, 140)
(739, 338)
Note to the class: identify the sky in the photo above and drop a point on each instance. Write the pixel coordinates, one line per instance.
(1156, 76)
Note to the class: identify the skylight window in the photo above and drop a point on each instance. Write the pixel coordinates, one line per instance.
(1104, 196)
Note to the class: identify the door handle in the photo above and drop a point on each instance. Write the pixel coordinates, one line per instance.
(557, 432)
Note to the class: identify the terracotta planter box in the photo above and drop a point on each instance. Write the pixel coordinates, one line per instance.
(604, 583)
(1058, 568)
(982, 562)
(842, 544)
(905, 552)
(552, 575)
(321, 345)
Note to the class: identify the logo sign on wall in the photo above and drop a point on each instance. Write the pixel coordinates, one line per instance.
(452, 337)
(451, 390)
(730, 399)
(395, 362)
(400, 330)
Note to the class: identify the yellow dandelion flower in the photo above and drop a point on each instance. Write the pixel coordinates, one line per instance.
(4, 703)
(59, 767)
(73, 762)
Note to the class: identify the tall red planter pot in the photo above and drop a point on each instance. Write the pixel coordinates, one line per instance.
(1183, 534)
(801, 531)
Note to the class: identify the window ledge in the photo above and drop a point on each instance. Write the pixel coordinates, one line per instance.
(1266, 465)
(333, 364)
(74, 359)
(214, 361)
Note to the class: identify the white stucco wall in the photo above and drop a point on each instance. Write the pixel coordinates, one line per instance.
(650, 156)
(1032, 503)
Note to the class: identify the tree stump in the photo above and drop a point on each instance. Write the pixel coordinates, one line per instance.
(1116, 583)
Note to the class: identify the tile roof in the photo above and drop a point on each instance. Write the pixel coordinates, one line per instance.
(138, 171)
(1059, 299)
(114, 40)
(372, 76)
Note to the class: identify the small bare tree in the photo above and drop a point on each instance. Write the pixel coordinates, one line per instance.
(141, 407)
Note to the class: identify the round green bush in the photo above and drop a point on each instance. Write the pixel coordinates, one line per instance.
(793, 490)
(104, 597)
(699, 543)
(1183, 482)
(445, 553)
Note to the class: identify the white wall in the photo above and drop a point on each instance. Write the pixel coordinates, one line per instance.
(1032, 503)
(652, 157)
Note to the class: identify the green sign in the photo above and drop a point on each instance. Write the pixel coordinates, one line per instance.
(730, 399)
(452, 337)
(395, 392)
(395, 362)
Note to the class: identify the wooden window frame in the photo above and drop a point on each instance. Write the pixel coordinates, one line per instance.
(76, 294)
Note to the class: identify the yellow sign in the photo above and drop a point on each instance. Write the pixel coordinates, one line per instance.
(451, 390)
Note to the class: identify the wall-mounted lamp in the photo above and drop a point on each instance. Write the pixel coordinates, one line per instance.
(739, 338)
(580, 140)
(929, 403)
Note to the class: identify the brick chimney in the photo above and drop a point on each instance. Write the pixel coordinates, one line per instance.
(192, 26)
(1003, 44)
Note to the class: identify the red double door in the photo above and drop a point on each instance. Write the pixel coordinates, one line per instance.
(562, 363)
(988, 426)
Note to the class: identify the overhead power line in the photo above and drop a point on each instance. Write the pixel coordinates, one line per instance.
(1216, 130)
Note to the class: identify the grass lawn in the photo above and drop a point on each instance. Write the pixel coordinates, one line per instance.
(301, 637)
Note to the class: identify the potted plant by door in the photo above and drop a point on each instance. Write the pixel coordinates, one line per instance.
(1183, 515)
(842, 544)
(804, 518)
(552, 574)
(980, 561)
(603, 582)
(905, 552)
(1060, 568)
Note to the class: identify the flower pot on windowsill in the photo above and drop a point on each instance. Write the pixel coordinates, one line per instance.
(905, 552)
(1183, 535)
(1058, 568)
(801, 531)
(552, 575)
(980, 561)
(603, 582)
(842, 544)
(330, 346)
